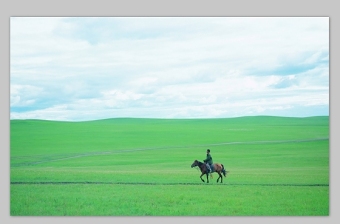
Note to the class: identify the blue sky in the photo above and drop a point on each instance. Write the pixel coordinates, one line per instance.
(88, 68)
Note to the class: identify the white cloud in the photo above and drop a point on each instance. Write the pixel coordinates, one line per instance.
(91, 68)
(24, 95)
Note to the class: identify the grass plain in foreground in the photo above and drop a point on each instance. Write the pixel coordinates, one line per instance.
(167, 200)
(140, 167)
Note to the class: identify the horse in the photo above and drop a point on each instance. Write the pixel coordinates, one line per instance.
(216, 167)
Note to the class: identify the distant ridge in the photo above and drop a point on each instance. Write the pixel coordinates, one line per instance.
(184, 119)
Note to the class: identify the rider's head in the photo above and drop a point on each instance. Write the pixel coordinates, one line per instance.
(208, 150)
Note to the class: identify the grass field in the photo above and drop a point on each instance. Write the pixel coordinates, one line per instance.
(141, 167)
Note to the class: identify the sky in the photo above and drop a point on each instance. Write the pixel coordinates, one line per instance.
(90, 68)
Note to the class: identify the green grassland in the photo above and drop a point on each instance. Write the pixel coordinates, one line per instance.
(277, 166)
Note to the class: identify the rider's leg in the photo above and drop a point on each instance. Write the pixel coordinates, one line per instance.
(209, 169)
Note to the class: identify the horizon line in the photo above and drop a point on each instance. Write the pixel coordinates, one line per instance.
(156, 118)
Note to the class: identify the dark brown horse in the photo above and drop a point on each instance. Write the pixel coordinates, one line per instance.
(217, 167)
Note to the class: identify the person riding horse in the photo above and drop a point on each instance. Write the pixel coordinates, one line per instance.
(207, 166)
(208, 161)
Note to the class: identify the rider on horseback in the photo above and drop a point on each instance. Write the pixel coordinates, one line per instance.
(208, 161)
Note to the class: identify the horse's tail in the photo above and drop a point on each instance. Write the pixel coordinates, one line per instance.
(223, 171)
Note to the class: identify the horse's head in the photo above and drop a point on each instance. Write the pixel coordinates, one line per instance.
(195, 163)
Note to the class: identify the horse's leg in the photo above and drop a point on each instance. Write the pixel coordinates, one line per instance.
(219, 176)
(207, 177)
(201, 177)
(219, 173)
